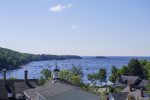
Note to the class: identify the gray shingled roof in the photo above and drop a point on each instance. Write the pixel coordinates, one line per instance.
(135, 80)
(119, 84)
(4, 90)
(61, 91)
(74, 94)
(136, 93)
(131, 79)
(21, 86)
(15, 87)
(120, 96)
(143, 83)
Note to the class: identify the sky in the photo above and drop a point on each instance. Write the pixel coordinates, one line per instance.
(76, 27)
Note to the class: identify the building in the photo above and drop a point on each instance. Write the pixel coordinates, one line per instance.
(13, 89)
(136, 82)
(59, 90)
(134, 87)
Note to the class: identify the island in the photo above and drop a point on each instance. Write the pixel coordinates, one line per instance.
(100, 57)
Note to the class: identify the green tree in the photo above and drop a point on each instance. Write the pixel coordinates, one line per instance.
(93, 78)
(65, 74)
(114, 74)
(102, 75)
(112, 79)
(73, 76)
(41, 81)
(12, 78)
(77, 71)
(46, 73)
(143, 62)
(147, 71)
(135, 68)
(76, 80)
(148, 88)
(123, 71)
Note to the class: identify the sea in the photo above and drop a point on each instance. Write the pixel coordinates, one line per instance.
(88, 64)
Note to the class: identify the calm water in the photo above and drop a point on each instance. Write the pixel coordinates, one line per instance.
(34, 68)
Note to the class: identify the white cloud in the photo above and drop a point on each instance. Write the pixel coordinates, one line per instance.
(74, 26)
(59, 7)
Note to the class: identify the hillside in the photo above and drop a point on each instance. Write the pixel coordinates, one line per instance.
(15, 59)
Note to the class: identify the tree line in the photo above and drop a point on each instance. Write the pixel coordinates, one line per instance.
(13, 59)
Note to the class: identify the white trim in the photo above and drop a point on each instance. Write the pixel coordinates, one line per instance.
(40, 95)
(26, 95)
(10, 95)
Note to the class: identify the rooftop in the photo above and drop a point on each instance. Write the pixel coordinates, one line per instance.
(60, 91)
(136, 81)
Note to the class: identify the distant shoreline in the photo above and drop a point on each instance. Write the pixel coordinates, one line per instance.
(10, 59)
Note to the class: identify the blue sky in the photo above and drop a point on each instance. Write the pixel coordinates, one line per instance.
(78, 27)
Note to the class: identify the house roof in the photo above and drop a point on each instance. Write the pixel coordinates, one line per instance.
(4, 90)
(15, 86)
(136, 93)
(143, 83)
(21, 86)
(119, 84)
(120, 96)
(137, 82)
(131, 79)
(61, 91)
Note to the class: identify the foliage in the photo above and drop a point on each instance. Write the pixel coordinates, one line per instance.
(102, 75)
(148, 88)
(112, 90)
(147, 71)
(65, 74)
(93, 77)
(13, 58)
(77, 71)
(103, 96)
(46, 73)
(76, 80)
(123, 71)
(12, 78)
(135, 68)
(74, 75)
(112, 79)
(114, 74)
(41, 81)
(143, 62)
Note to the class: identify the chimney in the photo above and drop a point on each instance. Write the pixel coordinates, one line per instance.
(4, 76)
(26, 76)
(142, 92)
(107, 96)
(130, 87)
(119, 78)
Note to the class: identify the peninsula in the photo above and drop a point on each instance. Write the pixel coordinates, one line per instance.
(10, 59)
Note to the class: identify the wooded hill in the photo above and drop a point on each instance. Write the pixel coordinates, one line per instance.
(15, 59)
